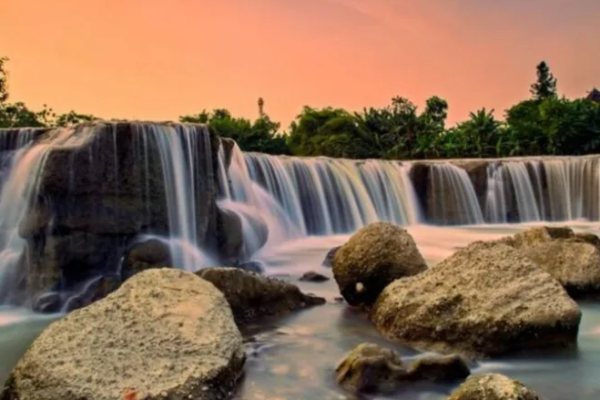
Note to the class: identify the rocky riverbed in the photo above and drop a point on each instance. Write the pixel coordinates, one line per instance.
(295, 357)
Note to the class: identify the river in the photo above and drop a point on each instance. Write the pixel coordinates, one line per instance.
(295, 357)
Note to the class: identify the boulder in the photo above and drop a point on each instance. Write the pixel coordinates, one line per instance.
(230, 239)
(371, 368)
(436, 368)
(492, 387)
(328, 260)
(312, 276)
(537, 235)
(253, 297)
(165, 334)
(587, 238)
(487, 299)
(374, 257)
(576, 265)
(152, 253)
(572, 259)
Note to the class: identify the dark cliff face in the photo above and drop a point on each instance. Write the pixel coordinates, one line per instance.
(96, 196)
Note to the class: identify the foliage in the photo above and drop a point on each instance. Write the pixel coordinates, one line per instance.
(261, 135)
(542, 125)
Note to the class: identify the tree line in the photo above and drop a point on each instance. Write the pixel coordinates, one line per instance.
(544, 124)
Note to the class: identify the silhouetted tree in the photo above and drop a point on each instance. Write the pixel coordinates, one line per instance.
(261, 107)
(3, 80)
(545, 86)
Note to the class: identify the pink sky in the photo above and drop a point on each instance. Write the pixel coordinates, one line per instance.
(156, 60)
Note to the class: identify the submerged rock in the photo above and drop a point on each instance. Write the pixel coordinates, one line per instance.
(573, 259)
(439, 368)
(493, 387)
(253, 297)
(487, 299)
(328, 260)
(164, 334)
(374, 257)
(312, 276)
(372, 368)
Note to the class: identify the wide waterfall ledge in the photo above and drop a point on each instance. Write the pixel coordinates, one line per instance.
(83, 208)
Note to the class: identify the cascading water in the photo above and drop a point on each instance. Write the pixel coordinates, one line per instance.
(325, 196)
(573, 186)
(509, 181)
(162, 182)
(18, 190)
(495, 209)
(177, 146)
(99, 191)
(453, 199)
(558, 189)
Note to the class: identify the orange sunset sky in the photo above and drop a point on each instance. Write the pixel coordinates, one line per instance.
(158, 59)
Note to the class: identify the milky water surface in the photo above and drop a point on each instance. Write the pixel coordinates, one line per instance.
(295, 357)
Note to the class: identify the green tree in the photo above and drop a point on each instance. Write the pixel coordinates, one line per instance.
(480, 134)
(545, 86)
(73, 118)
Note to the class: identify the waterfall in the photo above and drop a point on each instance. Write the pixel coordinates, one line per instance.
(25, 162)
(559, 189)
(75, 202)
(573, 186)
(93, 190)
(322, 196)
(453, 198)
(181, 162)
(513, 182)
(496, 197)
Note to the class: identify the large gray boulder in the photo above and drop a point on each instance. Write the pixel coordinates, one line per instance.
(165, 334)
(487, 299)
(492, 387)
(373, 258)
(573, 259)
(253, 297)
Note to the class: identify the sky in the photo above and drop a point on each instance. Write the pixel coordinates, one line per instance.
(158, 59)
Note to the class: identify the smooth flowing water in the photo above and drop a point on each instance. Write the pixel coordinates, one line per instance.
(295, 358)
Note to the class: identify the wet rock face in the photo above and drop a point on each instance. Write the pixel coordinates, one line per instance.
(97, 196)
(144, 255)
(253, 297)
(493, 387)
(164, 334)
(374, 257)
(372, 368)
(487, 299)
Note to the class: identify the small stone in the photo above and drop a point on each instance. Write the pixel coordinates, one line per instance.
(312, 276)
